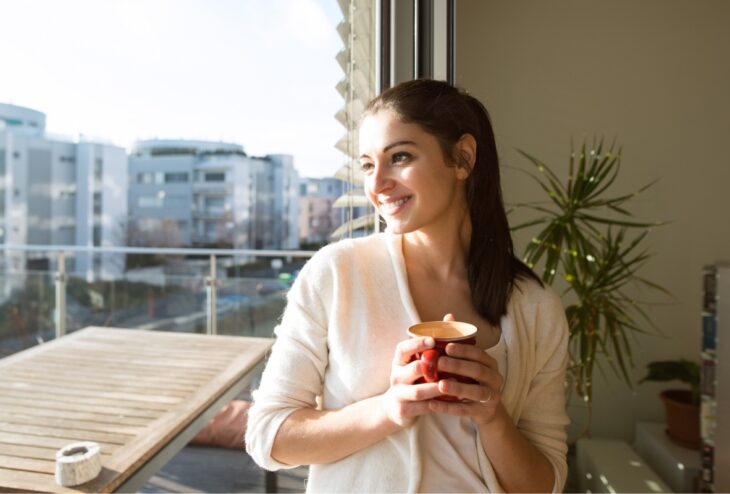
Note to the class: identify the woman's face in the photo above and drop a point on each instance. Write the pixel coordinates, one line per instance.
(406, 176)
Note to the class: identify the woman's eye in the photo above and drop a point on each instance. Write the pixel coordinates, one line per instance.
(366, 166)
(401, 157)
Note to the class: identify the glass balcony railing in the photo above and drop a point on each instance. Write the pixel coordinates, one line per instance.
(48, 291)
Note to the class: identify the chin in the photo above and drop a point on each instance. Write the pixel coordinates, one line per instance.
(397, 228)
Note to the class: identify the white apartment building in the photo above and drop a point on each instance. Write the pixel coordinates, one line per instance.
(201, 193)
(59, 192)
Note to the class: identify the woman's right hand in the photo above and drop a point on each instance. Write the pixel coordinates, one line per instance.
(405, 400)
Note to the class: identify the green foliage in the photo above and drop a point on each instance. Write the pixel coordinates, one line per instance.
(682, 370)
(592, 242)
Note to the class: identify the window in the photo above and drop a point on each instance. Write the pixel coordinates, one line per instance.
(172, 178)
(176, 201)
(145, 178)
(97, 168)
(155, 201)
(198, 117)
(215, 202)
(97, 204)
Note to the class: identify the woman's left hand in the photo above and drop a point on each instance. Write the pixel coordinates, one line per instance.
(482, 400)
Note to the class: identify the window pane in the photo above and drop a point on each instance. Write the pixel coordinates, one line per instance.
(229, 120)
(176, 177)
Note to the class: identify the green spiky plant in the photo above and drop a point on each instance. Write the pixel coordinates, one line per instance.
(591, 241)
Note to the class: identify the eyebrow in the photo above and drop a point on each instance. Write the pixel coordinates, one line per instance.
(391, 146)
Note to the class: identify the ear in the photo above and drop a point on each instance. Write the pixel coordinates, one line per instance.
(465, 156)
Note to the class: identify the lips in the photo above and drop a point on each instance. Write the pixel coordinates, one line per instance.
(393, 206)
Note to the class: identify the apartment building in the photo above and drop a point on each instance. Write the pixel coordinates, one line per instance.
(211, 194)
(318, 219)
(55, 191)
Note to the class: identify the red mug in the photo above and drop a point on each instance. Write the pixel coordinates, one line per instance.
(443, 333)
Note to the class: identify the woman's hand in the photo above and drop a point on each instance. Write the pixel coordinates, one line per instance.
(482, 400)
(405, 400)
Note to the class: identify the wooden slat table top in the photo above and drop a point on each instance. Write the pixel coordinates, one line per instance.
(131, 391)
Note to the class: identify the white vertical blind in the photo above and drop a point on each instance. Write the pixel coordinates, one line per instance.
(357, 87)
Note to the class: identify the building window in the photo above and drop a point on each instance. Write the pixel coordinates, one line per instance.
(155, 201)
(97, 203)
(67, 159)
(215, 177)
(175, 201)
(97, 168)
(215, 202)
(172, 178)
(150, 178)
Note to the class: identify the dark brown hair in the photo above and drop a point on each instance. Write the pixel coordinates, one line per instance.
(448, 113)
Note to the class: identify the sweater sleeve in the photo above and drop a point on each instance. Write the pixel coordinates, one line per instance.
(543, 419)
(294, 373)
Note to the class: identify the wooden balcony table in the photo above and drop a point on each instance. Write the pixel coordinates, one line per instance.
(140, 395)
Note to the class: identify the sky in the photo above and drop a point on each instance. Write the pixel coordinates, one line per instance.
(260, 73)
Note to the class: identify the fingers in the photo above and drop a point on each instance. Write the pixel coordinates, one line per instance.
(406, 349)
(406, 374)
(467, 408)
(476, 393)
(449, 317)
(417, 392)
(406, 402)
(470, 352)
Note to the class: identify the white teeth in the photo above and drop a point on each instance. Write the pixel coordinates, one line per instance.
(391, 206)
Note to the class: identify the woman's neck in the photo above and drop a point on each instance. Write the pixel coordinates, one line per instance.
(440, 252)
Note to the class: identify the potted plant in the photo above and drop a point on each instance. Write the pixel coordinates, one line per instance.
(682, 405)
(589, 244)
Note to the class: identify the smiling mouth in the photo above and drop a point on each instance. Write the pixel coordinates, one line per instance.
(392, 208)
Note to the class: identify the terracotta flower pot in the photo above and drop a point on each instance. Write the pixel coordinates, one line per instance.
(683, 418)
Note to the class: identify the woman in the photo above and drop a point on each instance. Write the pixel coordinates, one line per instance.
(340, 393)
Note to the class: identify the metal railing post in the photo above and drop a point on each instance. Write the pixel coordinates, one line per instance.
(211, 288)
(60, 313)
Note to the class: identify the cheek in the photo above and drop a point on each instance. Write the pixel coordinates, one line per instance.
(369, 191)
(410, 174)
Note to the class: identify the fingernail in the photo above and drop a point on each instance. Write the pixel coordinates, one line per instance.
(429, 341)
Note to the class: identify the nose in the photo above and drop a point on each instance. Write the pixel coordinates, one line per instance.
(380, 180)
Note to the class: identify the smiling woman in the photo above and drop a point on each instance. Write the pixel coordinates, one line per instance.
(343, 389)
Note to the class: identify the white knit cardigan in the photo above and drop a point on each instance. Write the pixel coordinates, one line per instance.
(348, 309)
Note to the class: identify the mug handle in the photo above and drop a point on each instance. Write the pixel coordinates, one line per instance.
(429, 364)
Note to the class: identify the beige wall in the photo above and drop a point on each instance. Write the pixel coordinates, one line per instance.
(655, 74)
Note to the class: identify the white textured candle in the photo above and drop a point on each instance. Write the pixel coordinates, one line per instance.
(77, 463)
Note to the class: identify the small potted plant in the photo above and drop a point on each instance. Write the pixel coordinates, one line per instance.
(682, 405)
